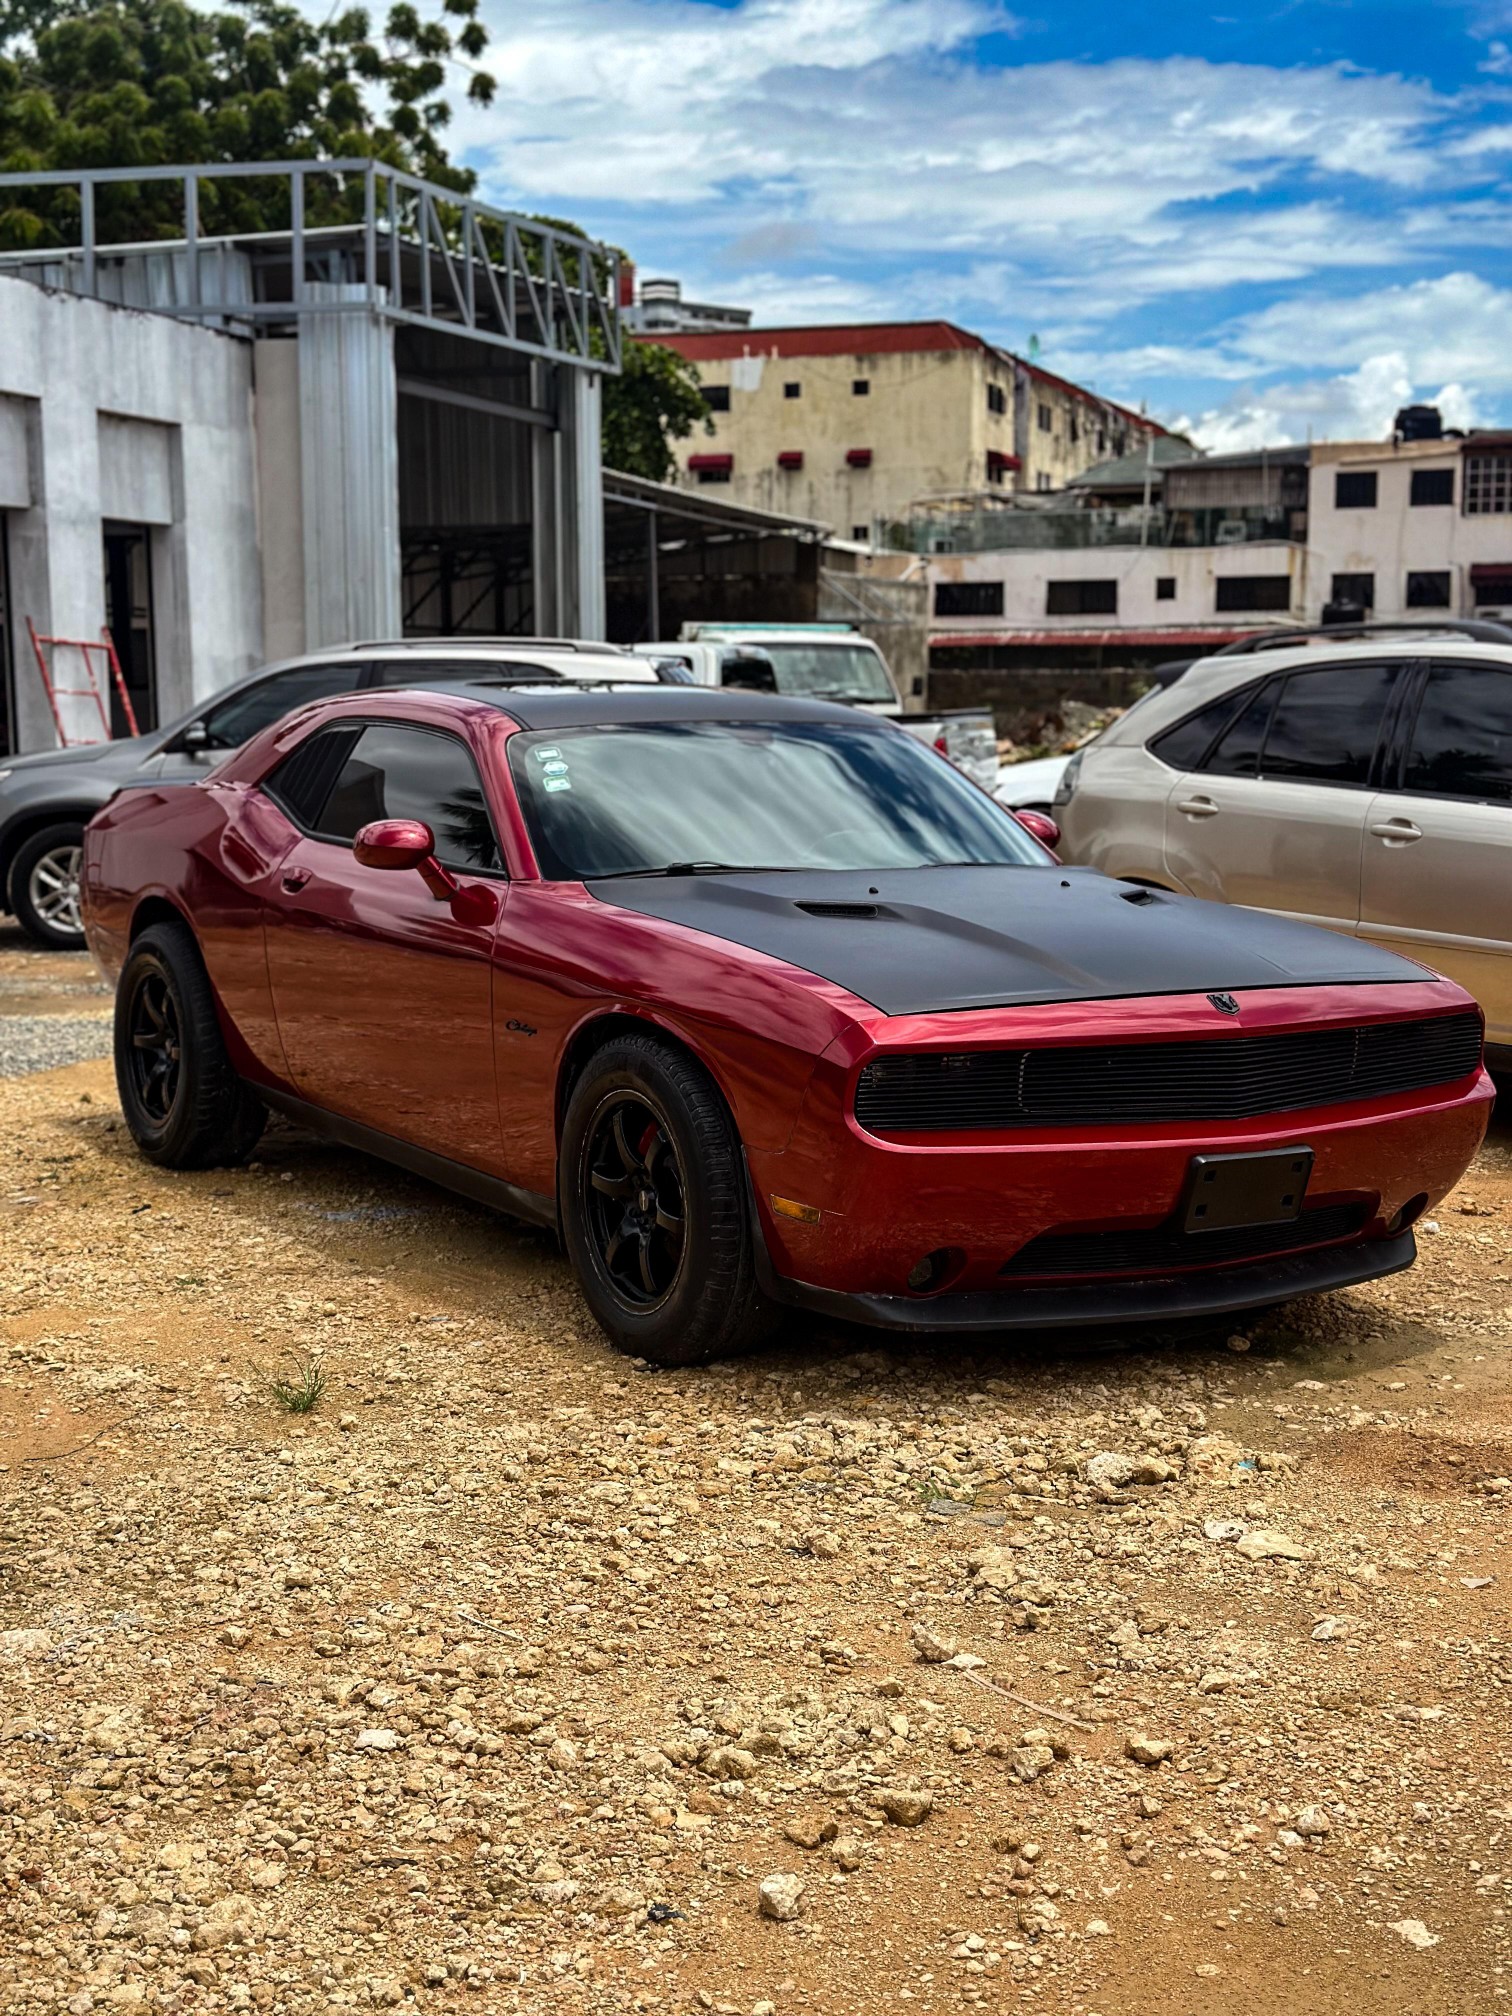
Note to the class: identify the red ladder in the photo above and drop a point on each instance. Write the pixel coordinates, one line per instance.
(105, 646)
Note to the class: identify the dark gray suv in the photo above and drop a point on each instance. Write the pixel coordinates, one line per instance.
(47, 800)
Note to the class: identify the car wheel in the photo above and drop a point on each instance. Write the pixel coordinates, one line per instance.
(654, 1209)
(184, 1105)
(44, 887)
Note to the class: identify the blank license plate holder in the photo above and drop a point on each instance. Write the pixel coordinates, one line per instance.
(1225, 1191)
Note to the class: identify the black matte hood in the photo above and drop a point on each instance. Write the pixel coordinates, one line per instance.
(916, 940)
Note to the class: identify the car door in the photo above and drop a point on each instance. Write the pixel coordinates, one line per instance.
(1273, 816)
(383, 994)
(1436, 875)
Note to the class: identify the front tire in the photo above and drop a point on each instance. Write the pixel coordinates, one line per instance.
(185, 1107)
(44, 887)
(654, 1209)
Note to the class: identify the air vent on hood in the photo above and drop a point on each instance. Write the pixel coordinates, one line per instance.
(859, 910)
(1139, 895)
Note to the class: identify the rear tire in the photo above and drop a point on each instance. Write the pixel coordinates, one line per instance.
(44, 887)
(185, 1107)
(654, 1207)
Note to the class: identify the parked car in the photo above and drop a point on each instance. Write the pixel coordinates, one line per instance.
(761, 1005)
(46, 799)
(1031, 786)
(829, 661)
(1362, 783)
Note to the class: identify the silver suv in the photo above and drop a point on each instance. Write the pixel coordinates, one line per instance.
(47, 800)
(1362, 782)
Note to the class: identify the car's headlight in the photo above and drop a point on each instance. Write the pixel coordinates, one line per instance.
(1069, 775)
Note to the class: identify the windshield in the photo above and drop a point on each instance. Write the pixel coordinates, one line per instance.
(691, 796)
(838, 671)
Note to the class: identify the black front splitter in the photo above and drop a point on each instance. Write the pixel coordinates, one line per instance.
(1172, 1298)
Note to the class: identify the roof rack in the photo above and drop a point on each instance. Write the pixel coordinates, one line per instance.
(492, 643)
(1478, 629)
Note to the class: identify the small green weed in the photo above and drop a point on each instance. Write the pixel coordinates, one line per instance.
(297, 1384)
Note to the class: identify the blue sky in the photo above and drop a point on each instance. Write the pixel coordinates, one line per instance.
(1259, 223)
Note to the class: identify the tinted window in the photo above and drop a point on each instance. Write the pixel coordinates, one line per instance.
(1462, 742)
(306, 774)
(1326, 723)
(1238, 754)
(1185, 745)
(246, 714)
(625, 800)
(395, 772)
(1355, 490)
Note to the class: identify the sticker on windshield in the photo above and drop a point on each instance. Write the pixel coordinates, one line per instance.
(555, 768)
(556, 783)
(547, 755)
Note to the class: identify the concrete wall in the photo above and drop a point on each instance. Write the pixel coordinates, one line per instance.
(76, 377)
(1195, 571)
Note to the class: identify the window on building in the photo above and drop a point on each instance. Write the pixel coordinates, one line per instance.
(1433, 486)
(718, 472)
(1165, 588)
(1355, 490)
(997, 399)
(717, 398)
(792, 389)
(1252, 591)
(997, 466)
(1081, 598)
(860, 388)
(1042, 480)
(1462, 738)
(1046, 419)
(968, 598)
(1073, 428)
(1429, 590)
(1102, 440)
(861, 532)
(1488, 485)
(1491, 586)
(1358, 589)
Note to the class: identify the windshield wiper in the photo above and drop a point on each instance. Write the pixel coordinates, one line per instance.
(692, 868)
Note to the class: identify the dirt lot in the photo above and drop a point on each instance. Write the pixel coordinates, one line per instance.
(503, 1679)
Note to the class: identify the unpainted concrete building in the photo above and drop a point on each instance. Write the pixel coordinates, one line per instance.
(236, 448)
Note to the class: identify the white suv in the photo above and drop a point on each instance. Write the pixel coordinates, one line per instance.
(1362, 782)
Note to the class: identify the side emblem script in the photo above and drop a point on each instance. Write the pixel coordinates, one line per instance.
(1224, 1003)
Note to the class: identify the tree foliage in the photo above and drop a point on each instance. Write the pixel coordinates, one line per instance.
(149, 83)
(655, 400)
(146, 83)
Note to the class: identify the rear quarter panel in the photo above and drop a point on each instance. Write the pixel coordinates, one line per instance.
(208, 851)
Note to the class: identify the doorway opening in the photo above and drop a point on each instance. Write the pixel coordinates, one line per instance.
(128, 618)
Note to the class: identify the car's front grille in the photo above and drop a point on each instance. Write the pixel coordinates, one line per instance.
(1216, 1078)
(1167, 1247)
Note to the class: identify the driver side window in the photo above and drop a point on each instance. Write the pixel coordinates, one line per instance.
(257, 707)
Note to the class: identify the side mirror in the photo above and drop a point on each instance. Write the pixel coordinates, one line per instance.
(394, 843)
(1042, 826)
(409, 843)
(195, 738)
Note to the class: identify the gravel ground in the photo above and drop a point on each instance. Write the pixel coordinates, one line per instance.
(42, 1042)
(1090, 1681)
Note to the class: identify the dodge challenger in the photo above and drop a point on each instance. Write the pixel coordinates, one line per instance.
(759, 1003)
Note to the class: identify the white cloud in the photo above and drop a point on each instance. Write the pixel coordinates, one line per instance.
(1450, 328)
(1359, 405)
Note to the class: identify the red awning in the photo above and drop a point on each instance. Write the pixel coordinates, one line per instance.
(790, 458)
(697, 462)
(1491, 570)
(859, 458)
(997, 460)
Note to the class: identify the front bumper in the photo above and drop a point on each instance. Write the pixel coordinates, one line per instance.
(1228, 1291)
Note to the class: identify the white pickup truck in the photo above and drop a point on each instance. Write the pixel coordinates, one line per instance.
(829, 661)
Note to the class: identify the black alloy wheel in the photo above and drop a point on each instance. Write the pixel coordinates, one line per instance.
(655, 1205)
(185, 1106)
(635, 1200)
(157, 1044)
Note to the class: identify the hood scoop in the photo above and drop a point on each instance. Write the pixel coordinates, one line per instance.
(862, 912)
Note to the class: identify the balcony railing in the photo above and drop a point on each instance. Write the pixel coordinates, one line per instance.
(360, 237)
(1082, 528)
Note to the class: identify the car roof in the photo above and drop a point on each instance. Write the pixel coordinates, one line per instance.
(568, 706)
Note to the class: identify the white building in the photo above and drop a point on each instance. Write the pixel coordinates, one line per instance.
(236, 448)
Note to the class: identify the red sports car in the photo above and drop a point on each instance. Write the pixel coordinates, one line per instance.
(762, 1003)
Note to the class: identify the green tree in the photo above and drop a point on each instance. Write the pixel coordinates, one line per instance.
(145, 83)
(655, 400)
